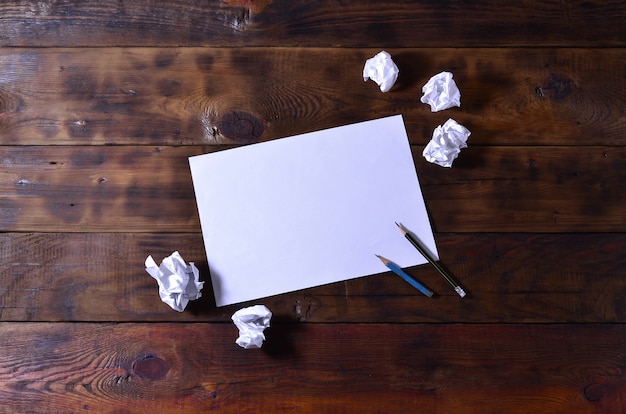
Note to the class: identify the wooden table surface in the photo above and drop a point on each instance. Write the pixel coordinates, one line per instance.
(103, 101)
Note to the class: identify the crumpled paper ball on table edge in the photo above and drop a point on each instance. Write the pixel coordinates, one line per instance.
(441, 92)
(252, 321)
(382, 70)
(178, 282)
(446, 144)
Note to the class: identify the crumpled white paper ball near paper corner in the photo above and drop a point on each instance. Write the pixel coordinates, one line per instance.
(441, 92)
(178, 282)
(446, 144)
(382, 70)
(251, 322)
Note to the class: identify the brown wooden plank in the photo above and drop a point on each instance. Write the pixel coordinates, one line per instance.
(89, 188)
(149, 189)
(511, 278)
(310, 369)
(311, 23)
(527, 189)
(173, 96)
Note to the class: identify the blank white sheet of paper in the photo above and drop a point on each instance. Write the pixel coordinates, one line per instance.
(309, 210)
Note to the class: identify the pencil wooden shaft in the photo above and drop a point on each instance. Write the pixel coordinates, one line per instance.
(397, 270)
(431, 261)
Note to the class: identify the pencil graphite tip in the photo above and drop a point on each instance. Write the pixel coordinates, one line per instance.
(382, 259)
(401, 227)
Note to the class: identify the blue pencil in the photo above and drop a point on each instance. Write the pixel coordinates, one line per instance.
(397, 270)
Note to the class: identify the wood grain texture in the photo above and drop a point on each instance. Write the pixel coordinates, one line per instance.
(510, 279)
(310, 369)
(299, 23)
(108, 188)
(102, 102)
(180, 96)
(149, 189)
(527, 189)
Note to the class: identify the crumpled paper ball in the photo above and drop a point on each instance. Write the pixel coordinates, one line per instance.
(251, 322)
(446, 144)
(441, 92)
(178, 282)
(382, 70)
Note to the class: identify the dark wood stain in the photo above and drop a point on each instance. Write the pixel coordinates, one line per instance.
(80, 83)
(115, 106)
(205, 62)
(253, 64)
(49, 128)
(69, 210)
(169, 87)
(165, 59)
(87, 158)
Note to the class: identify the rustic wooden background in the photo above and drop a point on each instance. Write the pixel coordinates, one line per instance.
(102, 102)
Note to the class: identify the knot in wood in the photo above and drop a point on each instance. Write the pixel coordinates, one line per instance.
(150, 367)
(594, 391)
(556, 87)
(9, 103)
(241, 126)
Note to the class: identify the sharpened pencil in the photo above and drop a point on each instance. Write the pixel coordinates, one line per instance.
(397, 270)
(457, 288)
